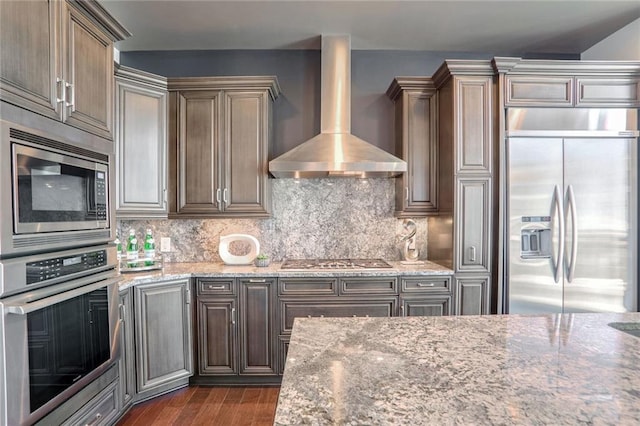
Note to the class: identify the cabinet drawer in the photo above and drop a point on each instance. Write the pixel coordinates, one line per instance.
(308, 286)
(292, 309)
(425, 306)
(101, 410)
(209, 287)
(426, 284)
(369, 286)
(539, 91)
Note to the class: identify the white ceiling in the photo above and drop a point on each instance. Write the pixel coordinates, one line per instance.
(516, 27)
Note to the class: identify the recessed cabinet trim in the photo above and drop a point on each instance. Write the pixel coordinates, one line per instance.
(602, 92)
(539, 91)
(473, 224)
(473, 124)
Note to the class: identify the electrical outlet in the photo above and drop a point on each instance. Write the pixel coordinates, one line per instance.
(165, 244)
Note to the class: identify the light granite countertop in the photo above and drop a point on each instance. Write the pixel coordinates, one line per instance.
(220, 270)
(557, 369)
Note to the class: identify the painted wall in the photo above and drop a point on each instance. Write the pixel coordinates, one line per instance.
(624, 44)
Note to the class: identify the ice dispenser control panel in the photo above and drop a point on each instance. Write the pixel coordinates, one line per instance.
(535, 237)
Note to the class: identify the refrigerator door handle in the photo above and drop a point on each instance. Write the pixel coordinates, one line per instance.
(559, 261)
(574, 233)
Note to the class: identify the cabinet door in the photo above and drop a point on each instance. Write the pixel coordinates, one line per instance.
(539, 91)
(126, 364)
(28, 64)
(141, 147)
(217, 346)
(472, 296)
(283, 349)
(426, 306)
(257, 323)
(472, 229)
(246, 152)
(88, 71)
(603, 92)
(416, 139)
(199, 152)
(473, 129)
(163, 333)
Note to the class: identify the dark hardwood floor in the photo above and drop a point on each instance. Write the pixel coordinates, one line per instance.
(202, 405)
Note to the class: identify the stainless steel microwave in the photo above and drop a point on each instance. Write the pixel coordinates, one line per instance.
(53, 194)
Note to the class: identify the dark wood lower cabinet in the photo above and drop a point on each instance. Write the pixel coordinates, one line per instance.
(217, 347)
(236, 330)
(426, 306)
(257, 320)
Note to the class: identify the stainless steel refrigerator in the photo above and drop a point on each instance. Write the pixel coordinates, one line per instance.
(571, 210)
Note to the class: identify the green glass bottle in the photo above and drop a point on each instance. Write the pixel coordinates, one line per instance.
(149, 249)
(132, 249)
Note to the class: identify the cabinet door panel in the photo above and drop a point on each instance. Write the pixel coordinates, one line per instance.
(257, 299)
(89, 70)
(245, 145)
(539, 91)
(141, 145)
(216, 336)
(472, 296)
(474, 124)
(198, 151)
(336, 307)
(426, 306)
(28, 32)
(163, 333)
(473, 225)
(600, 92)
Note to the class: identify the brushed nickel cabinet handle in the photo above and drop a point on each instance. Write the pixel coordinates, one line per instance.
(257, 281)
(406, 193)
(402, 309)
(233, 316)
(96, 419)
(70, 87)
(123, 312)
(224, 196)
(215, 287)
(218, 196)
(60, 91)
(426, 285)
(472, 254)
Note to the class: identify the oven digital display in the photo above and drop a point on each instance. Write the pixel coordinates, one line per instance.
(72, 261)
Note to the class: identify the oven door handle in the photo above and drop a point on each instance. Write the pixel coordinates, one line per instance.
(28, 307)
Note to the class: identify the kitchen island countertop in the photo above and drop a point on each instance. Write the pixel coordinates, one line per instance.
(478, 370)
(220, 270)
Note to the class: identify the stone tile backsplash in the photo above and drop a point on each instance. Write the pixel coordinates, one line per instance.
(312, 218)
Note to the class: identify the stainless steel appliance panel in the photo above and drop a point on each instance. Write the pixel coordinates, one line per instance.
(600, 248)
(56, 340)
(70, 209)
(535, 204)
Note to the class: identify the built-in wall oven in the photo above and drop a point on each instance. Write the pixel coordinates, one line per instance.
(53, 194)
(59, 328)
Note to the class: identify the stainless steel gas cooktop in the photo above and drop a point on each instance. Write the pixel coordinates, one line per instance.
(334, 264)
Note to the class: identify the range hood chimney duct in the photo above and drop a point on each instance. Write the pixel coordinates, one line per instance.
(335, 152)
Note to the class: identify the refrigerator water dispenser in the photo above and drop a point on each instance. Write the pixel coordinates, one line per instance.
(535, 238)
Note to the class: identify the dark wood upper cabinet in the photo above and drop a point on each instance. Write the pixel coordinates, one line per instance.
(415, 135)
(57, 60)
(219, 132)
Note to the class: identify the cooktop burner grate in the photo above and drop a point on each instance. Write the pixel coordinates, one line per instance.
(334, 264)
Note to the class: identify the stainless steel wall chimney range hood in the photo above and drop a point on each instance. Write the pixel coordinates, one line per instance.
(335, 152)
